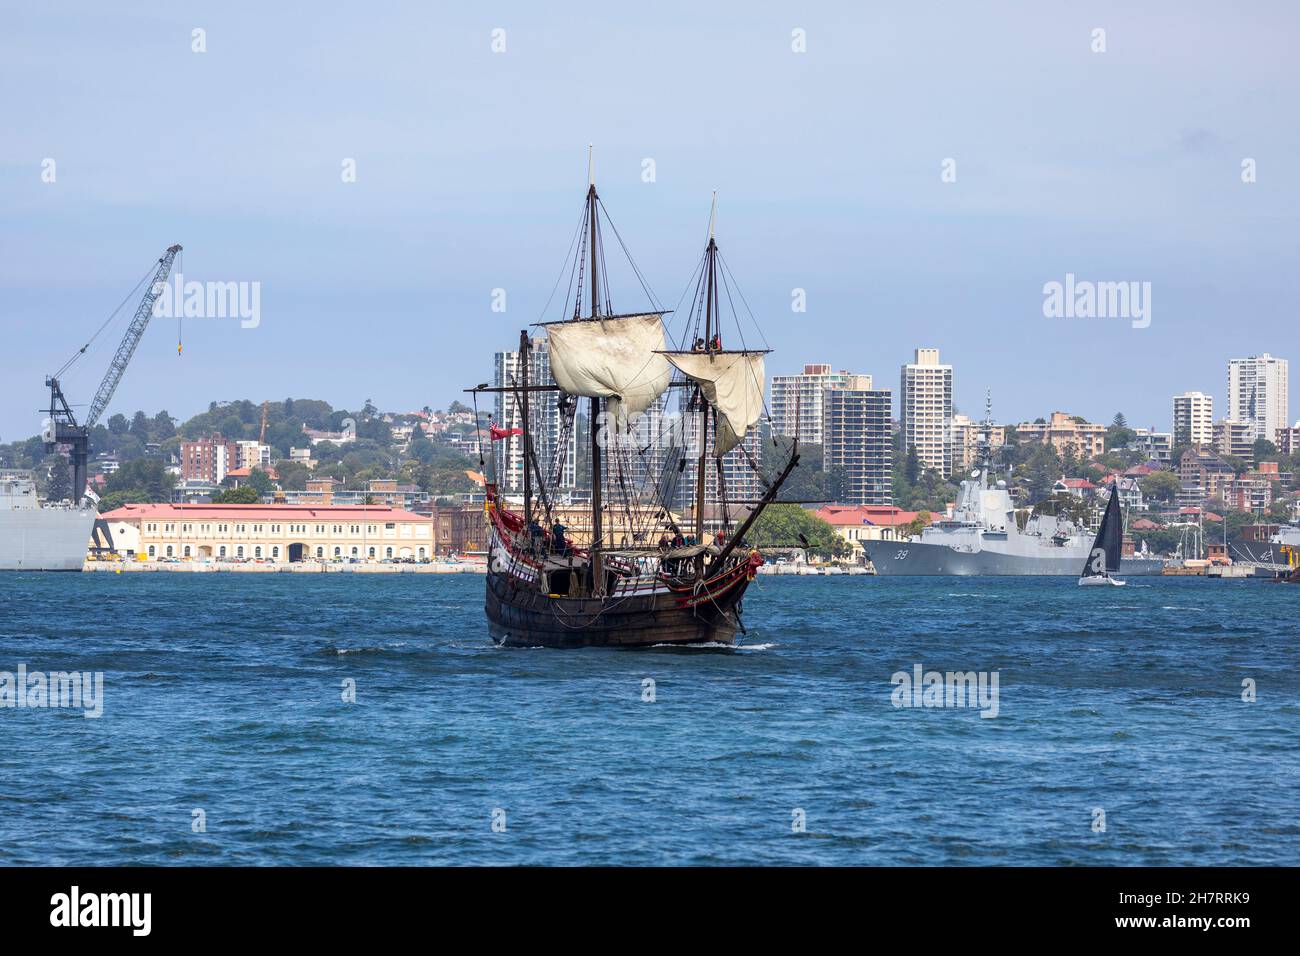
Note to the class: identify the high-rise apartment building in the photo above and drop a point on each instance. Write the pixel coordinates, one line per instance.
(1193, 419)
(1257, 393)
(925, 410)
(802, 395)
(857, 437)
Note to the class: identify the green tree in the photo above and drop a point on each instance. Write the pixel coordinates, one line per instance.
(145, 479)
(780, 526)
(236, 496)
(1160, 486)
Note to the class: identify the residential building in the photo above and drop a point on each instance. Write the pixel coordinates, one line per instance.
(857, 438)
(207, 459)
(1235, 438)
(1201, 473)
(252, 454)
(966, 438)
(925, 410)
(276, 533)
(803, 396)
(1248, 492)
(1258, 393)
(302, 456)
(1193, 419)
(554, 444)
(1155, 446)
(1085, 440)
(1287, 440)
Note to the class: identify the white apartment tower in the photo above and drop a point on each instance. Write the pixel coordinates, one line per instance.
(1193, 419)
(1257, 393)
(925, 410)
(804, 394)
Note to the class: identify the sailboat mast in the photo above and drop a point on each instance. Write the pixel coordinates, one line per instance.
(711, 255)
(597, 532)
(526, 437)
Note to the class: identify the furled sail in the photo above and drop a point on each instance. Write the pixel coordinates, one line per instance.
(732, 382)
(618, 358)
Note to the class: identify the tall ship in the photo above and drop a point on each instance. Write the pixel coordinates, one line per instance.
(636, 573)
(56, 536)
(983, 537)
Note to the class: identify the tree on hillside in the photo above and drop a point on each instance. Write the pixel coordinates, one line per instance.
(146, 479)
(779, 526)
(1160, 486)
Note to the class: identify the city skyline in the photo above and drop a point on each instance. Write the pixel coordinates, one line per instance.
(381, 287)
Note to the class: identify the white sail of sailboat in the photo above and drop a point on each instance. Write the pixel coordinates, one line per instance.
(732, 383)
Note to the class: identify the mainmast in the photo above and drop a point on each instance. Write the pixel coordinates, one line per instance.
(711, 290)
(597, 532)
(524, 358)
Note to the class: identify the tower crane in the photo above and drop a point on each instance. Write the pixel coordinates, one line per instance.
(61, 427)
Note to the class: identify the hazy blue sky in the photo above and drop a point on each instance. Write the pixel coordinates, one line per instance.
(471, 168)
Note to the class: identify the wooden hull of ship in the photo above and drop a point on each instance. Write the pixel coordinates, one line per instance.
(520, 617)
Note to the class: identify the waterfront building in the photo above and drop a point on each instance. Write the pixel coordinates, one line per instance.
(857, 437)
(1258, 393)
(1085, 440)
(1193, 419)
(803, 395)
(275, 533)
(925, 410)
(860, 523)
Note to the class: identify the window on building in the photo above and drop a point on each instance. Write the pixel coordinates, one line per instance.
(388, 552)
(186, 551)
(153, 552)
(169, 550)
(257, 552)
(338, 552)
(221, 551)
(239, 551)
(372, 552)
(320, 552)
(355, 551)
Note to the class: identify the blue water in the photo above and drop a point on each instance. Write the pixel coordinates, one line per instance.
(223, 693)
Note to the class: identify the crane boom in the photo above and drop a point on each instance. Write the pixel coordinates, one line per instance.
(132, 338)
(61, 426)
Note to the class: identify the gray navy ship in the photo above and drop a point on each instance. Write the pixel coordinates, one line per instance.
(37, 536)
(983, 538)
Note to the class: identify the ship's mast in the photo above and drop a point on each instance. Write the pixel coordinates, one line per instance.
(597, 535)
(526, 437)
(710, 292)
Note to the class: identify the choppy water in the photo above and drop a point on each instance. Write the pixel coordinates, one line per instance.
(223, 693)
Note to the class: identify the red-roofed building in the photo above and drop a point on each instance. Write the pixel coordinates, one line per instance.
(858, 523)
(1079, 487)
(273, 533)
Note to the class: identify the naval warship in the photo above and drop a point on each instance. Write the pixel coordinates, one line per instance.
(983, 537)
(40, 536)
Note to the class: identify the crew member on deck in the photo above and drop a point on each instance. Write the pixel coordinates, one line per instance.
(557, 539)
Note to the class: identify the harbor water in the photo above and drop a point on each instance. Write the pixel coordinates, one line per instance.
(1121, 735)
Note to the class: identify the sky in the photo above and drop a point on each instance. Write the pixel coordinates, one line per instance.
(471, 169)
